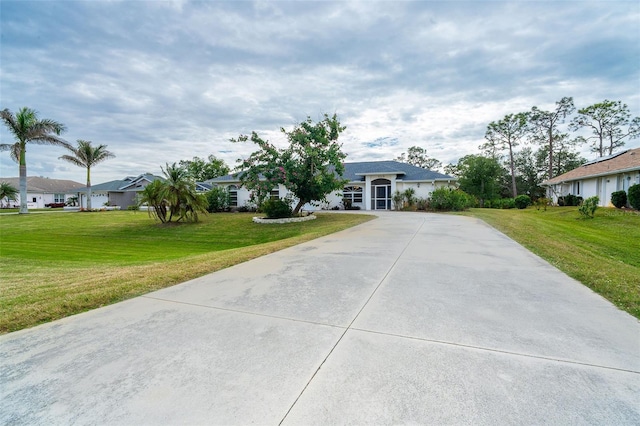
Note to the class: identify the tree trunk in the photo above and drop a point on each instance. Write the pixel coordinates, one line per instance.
(23, 181)
(514, 189)
(88, 189)
(550, 153)
(298, 207)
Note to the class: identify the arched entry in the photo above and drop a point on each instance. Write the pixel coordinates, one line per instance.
(381, 194)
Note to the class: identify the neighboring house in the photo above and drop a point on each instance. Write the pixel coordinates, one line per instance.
(42, 191)
(370, 186)
(599, 177)
(116, 192)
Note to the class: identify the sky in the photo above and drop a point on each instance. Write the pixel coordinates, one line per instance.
(164, 81)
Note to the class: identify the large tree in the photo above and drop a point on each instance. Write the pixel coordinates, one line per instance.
(26, 127)
(544, 127)
(86, 156)
(610, 124)
(479, 176)
(202, 169)
(505, 135)
(417, 156)
(311, 167)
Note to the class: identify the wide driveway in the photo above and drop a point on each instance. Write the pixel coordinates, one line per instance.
(407, 319)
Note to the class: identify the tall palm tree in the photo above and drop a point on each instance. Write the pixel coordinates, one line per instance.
(87, 155)
(27, 128)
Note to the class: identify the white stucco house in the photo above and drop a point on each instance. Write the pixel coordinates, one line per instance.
(116, 192)
(42, 191)
(371, 185)
(599, 177)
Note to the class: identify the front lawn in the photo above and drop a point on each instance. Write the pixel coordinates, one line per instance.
(603, 253)
(56, 265)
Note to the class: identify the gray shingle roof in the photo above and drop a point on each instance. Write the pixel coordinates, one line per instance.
(355, 172)
(37, 184)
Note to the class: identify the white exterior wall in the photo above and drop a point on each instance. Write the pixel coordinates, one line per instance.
(41, 199)
(602, 187)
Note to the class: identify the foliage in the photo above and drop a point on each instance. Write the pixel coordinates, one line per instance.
(588, 207)
(610, 124)
(422, 204)
(398, 200)
(8, 193)
(202, 169)
(500, 203)
(405, 200)
(276, 209)
(311, 167)
(26, 127)
(619, 199)
(569, 200)
(46, 258)
(417, 156)
(446, 199)
(602, 253)
(522, 201)
(478, 176)
(85, 155)
(542, 203)
(634, 196)
(153, 197)
(218, 199)
(180, 193)
(506, 134)
(544, 128)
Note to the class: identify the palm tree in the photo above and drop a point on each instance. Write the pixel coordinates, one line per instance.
(184, 202)
(27, 128)
(8, 192)
(86, 155)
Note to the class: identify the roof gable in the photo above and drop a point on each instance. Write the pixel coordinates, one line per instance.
(628, 160)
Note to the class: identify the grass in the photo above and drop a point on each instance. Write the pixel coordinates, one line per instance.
(603, 253)
(56, 265)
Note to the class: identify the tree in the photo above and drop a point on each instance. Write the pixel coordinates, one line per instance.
(27, 128)
(544, 126)
(311, 167)
(506, 134)
(85, 155)
(202, 169)
(7, 192)
(607, 121)
(528, 173)
(565, 157)
(479, 176)
(175, 197)
(417, 156)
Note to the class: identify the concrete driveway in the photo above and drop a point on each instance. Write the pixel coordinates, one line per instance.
(407, 319)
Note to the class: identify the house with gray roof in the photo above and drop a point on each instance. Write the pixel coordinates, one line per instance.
(600, 177)
(42, 191)
(116, 192)
(371, 185)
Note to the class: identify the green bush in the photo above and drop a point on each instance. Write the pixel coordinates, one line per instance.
(422, 204)
(542, 203)
(588, 207)
(448, 199)
(619, 199)
(634, 196)
(218, 199)
(276, 209)
(522, 201)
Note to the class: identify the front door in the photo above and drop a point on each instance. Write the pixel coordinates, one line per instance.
(381, 194)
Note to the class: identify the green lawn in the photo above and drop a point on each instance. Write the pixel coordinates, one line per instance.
(603, 253)
(56, 265)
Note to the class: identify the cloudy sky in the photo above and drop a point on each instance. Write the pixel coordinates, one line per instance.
(161, 81)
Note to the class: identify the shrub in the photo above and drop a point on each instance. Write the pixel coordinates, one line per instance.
(571, 200)
(276, 209)
(218, 199)
(448, 199)
(634, 196)
(133, 207)
(507, 203)
(541, 203)
(588, 207)
(409, 197)
(398, 200)
(522, 201)
(422, 204)
(619, 199)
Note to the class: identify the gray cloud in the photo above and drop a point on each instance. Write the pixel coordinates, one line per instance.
(163, 81)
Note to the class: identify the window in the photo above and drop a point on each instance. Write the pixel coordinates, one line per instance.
(275, 193)
(352, 193)
(34, 199)
(576, 188)
(58, 198)
(233, 195)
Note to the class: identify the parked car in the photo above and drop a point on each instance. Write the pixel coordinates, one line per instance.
(55, 205)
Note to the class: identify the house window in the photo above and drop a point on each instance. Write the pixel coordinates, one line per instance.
(58, 198)
(233, 195)
(275, 193)
(34, 200)
(352, 194)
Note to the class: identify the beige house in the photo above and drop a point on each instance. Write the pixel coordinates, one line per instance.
(600, 177)
(42, 191)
